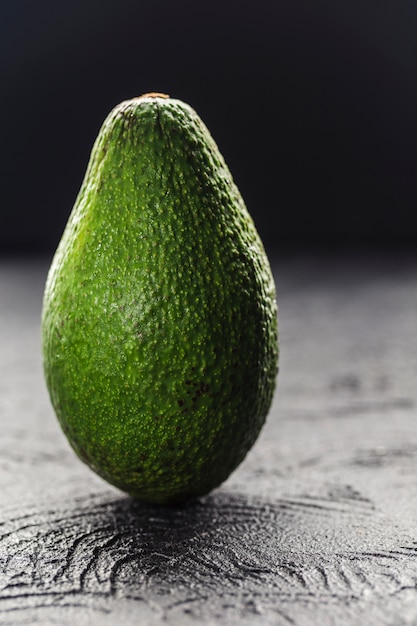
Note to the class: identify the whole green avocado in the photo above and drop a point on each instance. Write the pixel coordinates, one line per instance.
(159, 322)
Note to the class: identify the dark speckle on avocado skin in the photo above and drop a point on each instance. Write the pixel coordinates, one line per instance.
(159, 320)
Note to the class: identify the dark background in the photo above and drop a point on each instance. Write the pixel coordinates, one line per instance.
(313, 104)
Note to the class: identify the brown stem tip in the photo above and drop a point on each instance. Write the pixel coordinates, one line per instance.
(153, 94)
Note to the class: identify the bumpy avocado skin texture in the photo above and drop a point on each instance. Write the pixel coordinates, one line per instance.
(159, 322)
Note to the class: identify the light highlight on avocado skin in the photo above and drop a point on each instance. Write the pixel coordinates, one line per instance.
(159, 322)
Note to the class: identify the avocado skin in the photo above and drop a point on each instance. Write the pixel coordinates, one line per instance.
(159, 322)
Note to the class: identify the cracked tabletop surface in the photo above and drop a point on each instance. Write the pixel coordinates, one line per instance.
(316, 526)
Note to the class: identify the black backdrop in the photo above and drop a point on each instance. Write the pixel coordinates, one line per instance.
(313, 105)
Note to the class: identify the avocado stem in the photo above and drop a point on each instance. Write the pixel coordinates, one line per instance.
(152, 94)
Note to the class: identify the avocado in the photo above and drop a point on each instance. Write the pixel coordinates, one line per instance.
(159, 320)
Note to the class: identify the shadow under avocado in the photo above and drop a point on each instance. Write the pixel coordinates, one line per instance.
(223, 553)
(97, 545)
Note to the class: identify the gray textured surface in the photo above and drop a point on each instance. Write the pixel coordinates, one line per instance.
(316, 526)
